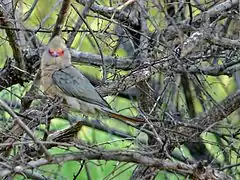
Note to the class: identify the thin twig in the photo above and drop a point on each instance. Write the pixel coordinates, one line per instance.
(99, 48)
(79, 22)
(122, 156)
(26, 129)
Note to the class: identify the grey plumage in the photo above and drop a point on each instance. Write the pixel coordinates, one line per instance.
(60, 78)
(75, 84)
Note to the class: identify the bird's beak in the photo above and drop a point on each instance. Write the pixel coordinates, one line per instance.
(55, 54)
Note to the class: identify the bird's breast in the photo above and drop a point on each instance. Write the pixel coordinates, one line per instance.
(72, 103)
(47, 83)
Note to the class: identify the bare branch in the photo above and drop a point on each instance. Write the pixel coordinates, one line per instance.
(196, 170)
(61, 17)
(17, 54)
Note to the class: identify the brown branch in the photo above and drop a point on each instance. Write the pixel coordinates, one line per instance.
(96, 60)
(91, 153)
(61, 17)
(12, 37)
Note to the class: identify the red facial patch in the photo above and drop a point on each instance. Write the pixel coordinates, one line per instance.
(56, 52)
(60, 51)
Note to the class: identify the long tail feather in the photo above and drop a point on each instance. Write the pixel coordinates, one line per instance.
(122, 117)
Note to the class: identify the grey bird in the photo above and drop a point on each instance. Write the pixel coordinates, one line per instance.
(60, 78)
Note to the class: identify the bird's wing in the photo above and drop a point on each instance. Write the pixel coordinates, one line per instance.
(73, 83)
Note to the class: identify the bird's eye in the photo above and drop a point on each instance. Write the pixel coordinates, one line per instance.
(50, 51)
(60, 52)
(56, 52)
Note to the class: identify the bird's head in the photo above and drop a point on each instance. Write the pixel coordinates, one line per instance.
(56, 53)
(56, 47)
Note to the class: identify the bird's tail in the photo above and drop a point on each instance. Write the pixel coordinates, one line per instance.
(121, 117)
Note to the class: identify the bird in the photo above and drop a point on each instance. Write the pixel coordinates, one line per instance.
(59, 78)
